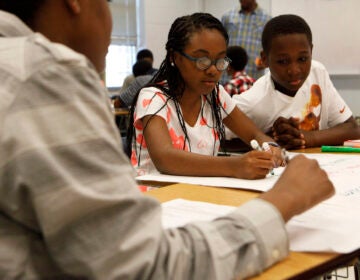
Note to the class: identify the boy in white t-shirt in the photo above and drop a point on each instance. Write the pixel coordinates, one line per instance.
(295, 101)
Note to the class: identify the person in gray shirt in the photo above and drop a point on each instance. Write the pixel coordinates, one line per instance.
(69, 205)
(128, 95)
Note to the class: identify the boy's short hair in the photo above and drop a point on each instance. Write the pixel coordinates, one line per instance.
(238, 56)
(145, 53)
(141, 67)
(24, 9)
(284, 25)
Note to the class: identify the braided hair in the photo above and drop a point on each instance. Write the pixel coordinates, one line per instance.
(179, 35)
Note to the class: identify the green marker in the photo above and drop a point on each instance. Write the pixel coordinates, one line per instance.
(340, 149)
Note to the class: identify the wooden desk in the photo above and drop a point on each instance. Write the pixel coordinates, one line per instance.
(121, 111)
(296, 266)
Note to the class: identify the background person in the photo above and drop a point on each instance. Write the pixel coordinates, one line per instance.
(240, 81)
(244, 25)
(144, 54)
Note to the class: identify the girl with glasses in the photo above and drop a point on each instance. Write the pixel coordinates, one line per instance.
(179, 118)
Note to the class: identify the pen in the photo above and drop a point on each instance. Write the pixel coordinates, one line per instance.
(266, 148)
(255, 145)
(340, 149)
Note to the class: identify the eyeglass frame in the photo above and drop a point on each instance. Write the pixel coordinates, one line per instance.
(213, 62)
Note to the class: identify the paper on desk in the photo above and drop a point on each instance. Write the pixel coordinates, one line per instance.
(328, 228)
(179, 212)
(226, 182)
(332, 226)
(343, 170)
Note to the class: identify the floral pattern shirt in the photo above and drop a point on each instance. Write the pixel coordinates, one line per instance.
(203, 138)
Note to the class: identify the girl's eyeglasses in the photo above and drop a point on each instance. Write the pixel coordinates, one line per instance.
(204, 63)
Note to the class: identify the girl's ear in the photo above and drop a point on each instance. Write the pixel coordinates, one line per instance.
(74, 6)
(174, 58)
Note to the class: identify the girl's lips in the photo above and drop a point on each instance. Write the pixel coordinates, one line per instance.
(209, 83)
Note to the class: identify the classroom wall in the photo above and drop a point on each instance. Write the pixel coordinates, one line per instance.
(158, 16)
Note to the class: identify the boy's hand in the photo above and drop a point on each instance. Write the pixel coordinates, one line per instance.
(286, 132)
(293, 195)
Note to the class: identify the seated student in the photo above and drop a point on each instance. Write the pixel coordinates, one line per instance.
(180, 119)
(146, 55)
(140, 71)
(240, 81)
(296, 101)
(70, 208)
(126, 98)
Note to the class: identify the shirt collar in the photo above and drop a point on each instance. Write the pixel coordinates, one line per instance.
(253, 12)
(12, 26)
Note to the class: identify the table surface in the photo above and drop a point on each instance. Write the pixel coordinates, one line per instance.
(120, 111)
(295, 266)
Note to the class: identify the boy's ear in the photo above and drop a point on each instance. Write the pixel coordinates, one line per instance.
(264, 59)
(74, 6)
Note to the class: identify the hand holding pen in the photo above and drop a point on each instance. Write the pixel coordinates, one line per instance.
(281, 157)
(266, 148)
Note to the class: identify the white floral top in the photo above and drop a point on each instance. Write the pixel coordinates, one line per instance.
(203, 138)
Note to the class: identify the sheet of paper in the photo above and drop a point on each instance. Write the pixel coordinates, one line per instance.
(179, 212)
(332, 226)
(225, 182)
(343, 170)
(327, 228)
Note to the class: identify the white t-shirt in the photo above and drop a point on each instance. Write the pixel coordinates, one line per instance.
(203, 138)
(317, 103)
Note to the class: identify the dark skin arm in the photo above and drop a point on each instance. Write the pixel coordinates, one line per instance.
(246, 130)
(168, 160)
(288, 134)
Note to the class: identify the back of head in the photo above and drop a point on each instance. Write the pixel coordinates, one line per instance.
(141, 67)
(284, 25)
(238, 56)
(144, 54)
(24, 9)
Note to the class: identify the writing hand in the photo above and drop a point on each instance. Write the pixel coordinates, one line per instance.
(292, 194)
(252, 165)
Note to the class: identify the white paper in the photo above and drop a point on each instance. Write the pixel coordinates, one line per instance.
(328, 228)
(331, 226)
(225, 182)
(178, 212)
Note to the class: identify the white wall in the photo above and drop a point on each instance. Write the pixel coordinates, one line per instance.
(159, 14)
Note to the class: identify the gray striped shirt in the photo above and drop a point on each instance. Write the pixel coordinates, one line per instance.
(69, 205)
